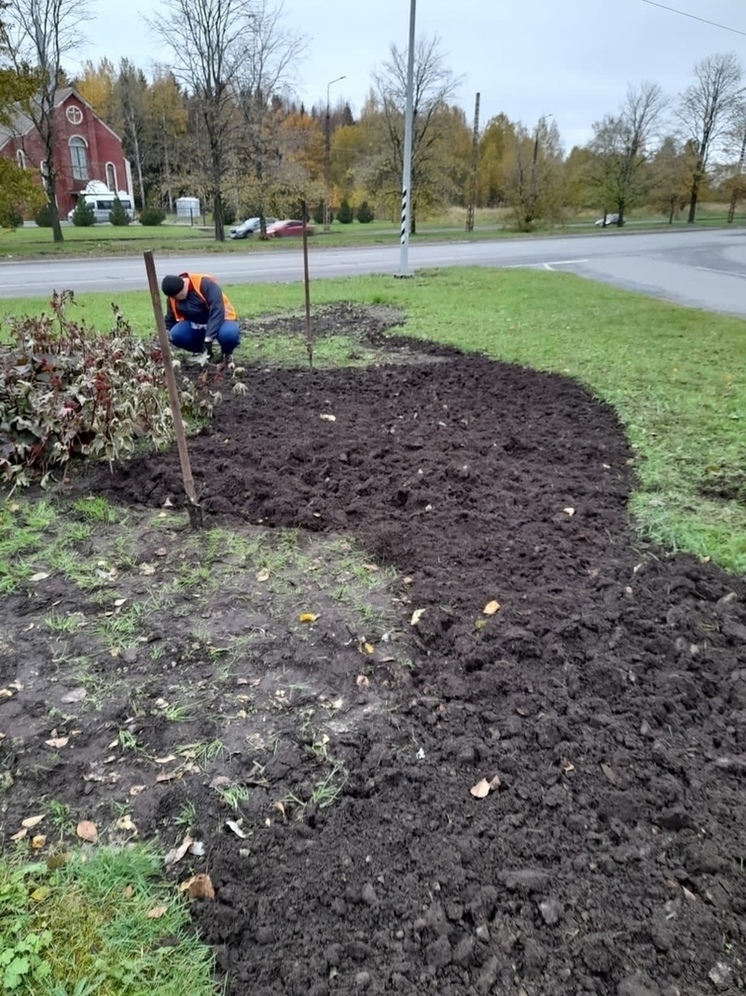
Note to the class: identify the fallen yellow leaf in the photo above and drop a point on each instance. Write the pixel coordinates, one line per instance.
(157, 912)
(416, 616)
(57, 742)
(262, 576)
(167, 776)
(368, 648)
(32, 821)
(308, 617)
(491, 608)
(38, 841)
(178, 853)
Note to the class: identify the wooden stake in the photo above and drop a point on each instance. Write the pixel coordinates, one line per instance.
(193, 506)
(309, 334)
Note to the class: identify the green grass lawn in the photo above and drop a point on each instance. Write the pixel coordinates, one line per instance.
(676, 376)
(77, 925)
(107, 240)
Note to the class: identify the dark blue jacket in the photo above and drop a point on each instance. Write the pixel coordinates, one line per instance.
(205, 308)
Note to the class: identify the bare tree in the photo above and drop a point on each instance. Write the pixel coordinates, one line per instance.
(706, 109)
(208, 39)
(131, 89)
(266, 70)
(621, 148)
(41, 33)
(164, 136)
(670, 176)
(732, 173)
(533, 177)
(434, 86)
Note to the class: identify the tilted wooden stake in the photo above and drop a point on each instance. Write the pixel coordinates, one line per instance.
(193, 506)
(307, 284)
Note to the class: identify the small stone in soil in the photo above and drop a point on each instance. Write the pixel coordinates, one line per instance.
(369, 895)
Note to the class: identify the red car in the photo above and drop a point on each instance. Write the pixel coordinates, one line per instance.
(280, 229)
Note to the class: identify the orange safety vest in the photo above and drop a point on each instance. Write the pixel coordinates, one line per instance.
(195, 282)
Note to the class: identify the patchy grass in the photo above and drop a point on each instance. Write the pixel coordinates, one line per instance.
(100, 923)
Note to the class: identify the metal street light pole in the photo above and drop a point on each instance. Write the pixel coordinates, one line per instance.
(406, 193)
(327, 155)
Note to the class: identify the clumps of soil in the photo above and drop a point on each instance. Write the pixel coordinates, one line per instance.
(604, 700)
(370, 324)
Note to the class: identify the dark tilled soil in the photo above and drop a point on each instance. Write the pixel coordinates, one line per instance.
(604, 700)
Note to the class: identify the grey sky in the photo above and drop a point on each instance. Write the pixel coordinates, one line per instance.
(569, 58)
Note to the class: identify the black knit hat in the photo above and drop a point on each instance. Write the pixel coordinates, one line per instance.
(172, 285)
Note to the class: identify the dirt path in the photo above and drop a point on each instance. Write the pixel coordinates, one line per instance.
(603, 699)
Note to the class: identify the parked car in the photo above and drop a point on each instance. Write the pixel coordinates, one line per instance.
(289, 227)
(609, 219)
(248, 228)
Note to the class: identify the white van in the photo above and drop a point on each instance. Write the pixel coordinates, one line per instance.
(103, 203)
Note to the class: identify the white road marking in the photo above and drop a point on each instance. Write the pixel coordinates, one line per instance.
(546, 266)
(728, 273)
(563, 262)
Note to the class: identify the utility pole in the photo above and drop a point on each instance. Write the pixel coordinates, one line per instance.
(474, 171)
(534, 161)
(327, 155)
(406, 193)
(540, 127)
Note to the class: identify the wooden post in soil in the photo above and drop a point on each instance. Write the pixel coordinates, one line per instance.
(193, 506)
(309, 334)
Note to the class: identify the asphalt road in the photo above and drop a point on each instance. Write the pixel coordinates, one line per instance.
(702, 268)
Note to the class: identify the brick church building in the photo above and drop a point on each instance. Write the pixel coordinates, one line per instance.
(86, 149)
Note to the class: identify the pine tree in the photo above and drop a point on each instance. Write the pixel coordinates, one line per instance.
(364, 213)
(83, 215)
(117, 215)
(345, 214)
